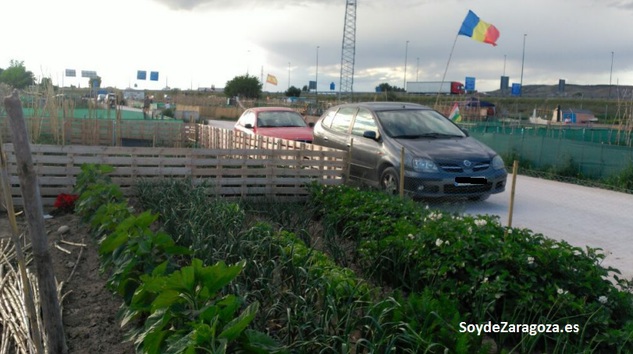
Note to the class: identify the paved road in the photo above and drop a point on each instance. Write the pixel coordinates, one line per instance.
(579, 215)
(225, 124)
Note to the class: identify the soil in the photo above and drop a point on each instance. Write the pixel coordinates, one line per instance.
(88, 307)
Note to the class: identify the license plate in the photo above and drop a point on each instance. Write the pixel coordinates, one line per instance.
(469, 181)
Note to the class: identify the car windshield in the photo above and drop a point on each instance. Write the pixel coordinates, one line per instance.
(280, 119)
(417, 124)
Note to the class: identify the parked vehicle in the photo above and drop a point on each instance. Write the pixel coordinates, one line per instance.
(440, 159)
(278, 122)
(110, 100)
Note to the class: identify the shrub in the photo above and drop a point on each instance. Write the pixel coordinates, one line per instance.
(493, 273)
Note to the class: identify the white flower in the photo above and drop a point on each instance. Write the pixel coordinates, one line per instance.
(577, 253)
(481, 222)
(439, 242)
(509, 231)
(470, 230)
(530, 260)
(602, 299)
(561, 291)
(485, 280)
(410, 236)
(435, 216)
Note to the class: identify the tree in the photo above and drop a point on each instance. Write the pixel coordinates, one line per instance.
(385, 87)
(46, 82)
(94, 82)
(17, 76)
(293, 92)
(243, 86)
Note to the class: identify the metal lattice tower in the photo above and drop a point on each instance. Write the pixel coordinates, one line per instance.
(348, 52)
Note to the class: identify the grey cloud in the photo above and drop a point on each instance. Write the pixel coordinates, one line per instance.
(621, 4)
(195, 4)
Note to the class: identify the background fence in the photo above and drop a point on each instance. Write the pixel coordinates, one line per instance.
(586, 133)
(244, 167)
(558, 151)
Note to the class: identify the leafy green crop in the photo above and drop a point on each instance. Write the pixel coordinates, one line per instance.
(133, 249)
(189, 313)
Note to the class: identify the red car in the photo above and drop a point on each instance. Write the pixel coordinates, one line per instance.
(278, 122)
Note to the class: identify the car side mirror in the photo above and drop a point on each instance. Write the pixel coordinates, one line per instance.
(465, 131)
(248, 126)
(370, 134)
(311, 124)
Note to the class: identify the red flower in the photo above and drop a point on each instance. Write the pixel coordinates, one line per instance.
(65, 202)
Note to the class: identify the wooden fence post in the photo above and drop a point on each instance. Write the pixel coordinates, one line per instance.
(51, 310)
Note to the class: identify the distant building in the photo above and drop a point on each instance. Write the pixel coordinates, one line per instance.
(572, 115)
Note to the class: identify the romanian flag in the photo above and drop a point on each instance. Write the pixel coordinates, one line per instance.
(455, 116)
(271, 79)
(479, 30)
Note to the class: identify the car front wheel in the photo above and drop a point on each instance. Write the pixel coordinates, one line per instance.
(389, 181)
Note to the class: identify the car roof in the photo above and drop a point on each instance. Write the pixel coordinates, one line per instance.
(385, 106)
(268, 109)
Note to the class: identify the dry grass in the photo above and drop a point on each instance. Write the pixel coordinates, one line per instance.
(14, 323)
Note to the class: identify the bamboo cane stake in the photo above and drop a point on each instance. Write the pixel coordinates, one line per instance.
(16, 327)
(515, 169)
(29, 185)
(401, 180)
(15, 235)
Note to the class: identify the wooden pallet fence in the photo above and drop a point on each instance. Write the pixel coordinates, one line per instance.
(232, 172)
(93, 131)
(324, 159)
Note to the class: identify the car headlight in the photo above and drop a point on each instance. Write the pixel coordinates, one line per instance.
(424, 165)
(497, 163)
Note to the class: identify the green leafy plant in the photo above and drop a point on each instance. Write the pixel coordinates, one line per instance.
(95, 189)
(190, 314)
(491, 272)
(108, 216)
(92, 174)
(133, 249)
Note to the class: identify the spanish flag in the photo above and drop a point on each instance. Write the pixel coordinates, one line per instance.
(271, 79)
(479, 30)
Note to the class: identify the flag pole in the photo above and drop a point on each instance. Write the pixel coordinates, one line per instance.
(437, 100)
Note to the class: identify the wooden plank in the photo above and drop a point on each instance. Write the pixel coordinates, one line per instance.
(237, 165)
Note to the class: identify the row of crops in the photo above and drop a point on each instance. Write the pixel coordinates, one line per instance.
(350, 271)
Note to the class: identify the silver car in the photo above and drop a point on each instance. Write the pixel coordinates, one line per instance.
(440, 159)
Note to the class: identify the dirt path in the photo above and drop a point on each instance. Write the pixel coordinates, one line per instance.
(89, 309)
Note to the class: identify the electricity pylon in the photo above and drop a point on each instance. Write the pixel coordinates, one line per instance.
(348, 51)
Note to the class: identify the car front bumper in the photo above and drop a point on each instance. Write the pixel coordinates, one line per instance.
(455, 185)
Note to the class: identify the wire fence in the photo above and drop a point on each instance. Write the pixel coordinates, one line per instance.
(590, 156)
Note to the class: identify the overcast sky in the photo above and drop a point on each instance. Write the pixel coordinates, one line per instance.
(200, 43)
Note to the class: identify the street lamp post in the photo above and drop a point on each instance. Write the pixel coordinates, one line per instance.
(611, 74)
(406, 54)
(522, 64)
(316, 79)
(248, 61)
(288, 74)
